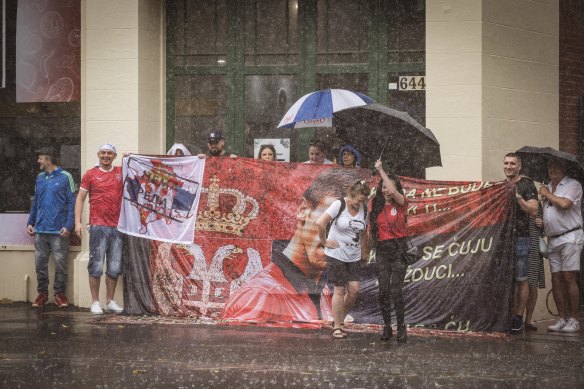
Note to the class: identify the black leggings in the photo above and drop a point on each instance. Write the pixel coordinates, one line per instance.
(391, 272)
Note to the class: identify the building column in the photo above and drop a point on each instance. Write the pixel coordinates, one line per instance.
(122, 93)
(520, 61)
(492, 70)
(492, 82)
(454, 86)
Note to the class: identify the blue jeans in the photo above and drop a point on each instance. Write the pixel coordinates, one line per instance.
(105, 244)
(522, 257)
(43, 245)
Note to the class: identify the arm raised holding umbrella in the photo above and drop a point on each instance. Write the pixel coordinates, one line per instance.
(562, 221)
(389, 234)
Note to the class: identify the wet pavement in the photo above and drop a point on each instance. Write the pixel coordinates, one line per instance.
(66, 348)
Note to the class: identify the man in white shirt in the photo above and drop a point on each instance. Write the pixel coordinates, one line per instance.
(562, 221)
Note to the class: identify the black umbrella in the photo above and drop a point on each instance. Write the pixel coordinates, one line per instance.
(534, 161)
(409, 145)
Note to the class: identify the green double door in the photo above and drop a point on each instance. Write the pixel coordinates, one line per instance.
(238, 65)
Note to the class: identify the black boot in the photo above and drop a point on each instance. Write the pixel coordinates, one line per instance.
(387, 333)
(402, 333)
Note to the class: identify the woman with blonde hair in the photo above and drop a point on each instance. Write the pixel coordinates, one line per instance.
(345, 246)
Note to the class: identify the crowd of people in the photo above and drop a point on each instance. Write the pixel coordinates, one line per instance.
(560, 203)
(345, 228)
(349, 156)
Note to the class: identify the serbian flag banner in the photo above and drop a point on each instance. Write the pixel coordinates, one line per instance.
(161, 197)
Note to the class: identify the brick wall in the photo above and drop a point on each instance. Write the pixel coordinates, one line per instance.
(571, 73)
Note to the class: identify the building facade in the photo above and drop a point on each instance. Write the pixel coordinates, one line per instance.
(490, 77)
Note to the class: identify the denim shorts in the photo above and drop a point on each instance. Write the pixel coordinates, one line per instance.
(105, 244)
(522, 257)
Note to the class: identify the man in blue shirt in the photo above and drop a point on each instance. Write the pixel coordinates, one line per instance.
(51, 221)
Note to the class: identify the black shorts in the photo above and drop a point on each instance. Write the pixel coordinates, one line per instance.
(341, 273)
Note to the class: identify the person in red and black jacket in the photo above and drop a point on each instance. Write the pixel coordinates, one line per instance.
(388, 232)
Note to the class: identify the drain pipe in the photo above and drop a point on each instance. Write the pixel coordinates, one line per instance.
(26, 278)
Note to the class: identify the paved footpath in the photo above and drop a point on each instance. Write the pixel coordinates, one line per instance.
(52, 348)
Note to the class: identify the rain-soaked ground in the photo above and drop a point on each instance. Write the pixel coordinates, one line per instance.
(66, 348)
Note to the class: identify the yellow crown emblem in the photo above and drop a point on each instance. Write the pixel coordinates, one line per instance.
(212, 218)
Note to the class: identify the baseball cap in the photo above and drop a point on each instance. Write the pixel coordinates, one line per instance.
(214, 136)
(107, 146)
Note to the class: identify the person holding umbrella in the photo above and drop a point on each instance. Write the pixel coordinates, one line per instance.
(562, 221)
(388, 231)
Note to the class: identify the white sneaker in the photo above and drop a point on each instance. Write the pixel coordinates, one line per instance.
(558, 326)
(96, 308)
(572, 325)
(112, 306)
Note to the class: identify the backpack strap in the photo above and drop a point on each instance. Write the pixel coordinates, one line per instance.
(365, 212)
(334, 219)
(341, 208)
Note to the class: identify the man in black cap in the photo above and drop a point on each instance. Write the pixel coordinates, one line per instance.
(216, 145)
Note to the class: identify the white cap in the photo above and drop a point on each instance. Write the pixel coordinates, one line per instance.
(107, 146)
(178, 146)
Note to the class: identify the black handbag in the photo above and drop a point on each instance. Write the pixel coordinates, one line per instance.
(410, 252)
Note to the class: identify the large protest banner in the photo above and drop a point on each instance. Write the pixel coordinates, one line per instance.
(256, 257)
(464, 280)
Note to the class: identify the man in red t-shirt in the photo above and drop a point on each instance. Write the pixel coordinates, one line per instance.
(103, 183)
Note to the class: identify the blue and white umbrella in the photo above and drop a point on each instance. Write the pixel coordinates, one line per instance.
(316, 109)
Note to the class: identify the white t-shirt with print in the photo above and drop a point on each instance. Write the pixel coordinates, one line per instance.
(346, 230)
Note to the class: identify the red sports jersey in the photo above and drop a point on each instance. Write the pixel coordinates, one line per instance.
(392, 222)
(105, 195)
